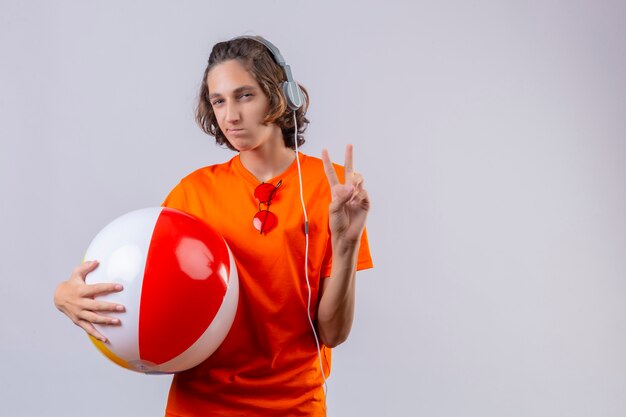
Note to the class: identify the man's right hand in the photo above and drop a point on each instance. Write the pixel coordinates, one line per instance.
(76, 299)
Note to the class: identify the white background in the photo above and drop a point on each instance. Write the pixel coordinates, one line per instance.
(492, 136)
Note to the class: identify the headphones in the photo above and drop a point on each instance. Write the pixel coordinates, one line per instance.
(293, 94)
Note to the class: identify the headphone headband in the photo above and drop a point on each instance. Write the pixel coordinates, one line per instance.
(291, 89)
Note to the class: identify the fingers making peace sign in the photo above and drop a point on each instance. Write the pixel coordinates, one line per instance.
(350, 202)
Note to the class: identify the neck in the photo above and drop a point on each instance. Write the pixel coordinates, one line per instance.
(268, 161)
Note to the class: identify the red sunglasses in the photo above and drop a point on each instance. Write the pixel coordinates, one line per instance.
(264, 220)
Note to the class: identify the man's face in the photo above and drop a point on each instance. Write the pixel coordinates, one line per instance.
(240, 106)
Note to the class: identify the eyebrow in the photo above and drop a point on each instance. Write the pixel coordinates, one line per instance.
(235, 91)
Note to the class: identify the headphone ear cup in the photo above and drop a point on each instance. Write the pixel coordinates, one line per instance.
(293, 94)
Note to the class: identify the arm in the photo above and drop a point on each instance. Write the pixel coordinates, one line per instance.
(347, 215)
(336, 307)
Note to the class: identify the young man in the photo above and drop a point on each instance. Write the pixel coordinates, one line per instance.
(297, 290)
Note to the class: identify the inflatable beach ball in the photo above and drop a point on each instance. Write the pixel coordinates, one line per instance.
(180, 289)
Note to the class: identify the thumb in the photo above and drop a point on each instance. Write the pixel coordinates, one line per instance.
(344, 192)
(341, 195)
(86, 267)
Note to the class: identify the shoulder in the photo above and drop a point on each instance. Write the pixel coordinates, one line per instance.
(208, 174)
(316, 165)
(197, 183)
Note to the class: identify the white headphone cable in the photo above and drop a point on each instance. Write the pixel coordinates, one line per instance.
(306, 259)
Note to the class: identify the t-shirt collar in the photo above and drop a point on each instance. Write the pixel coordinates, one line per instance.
(247, 175)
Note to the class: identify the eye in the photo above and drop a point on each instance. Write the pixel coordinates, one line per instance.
(246, 95)
(216, 102)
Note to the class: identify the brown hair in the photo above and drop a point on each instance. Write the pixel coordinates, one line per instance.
(258, 61)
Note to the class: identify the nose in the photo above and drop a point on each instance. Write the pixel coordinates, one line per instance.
(232, 112)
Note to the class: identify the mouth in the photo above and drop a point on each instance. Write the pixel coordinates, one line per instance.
(235, 132)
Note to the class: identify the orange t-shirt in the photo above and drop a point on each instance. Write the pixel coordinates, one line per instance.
(268, 363)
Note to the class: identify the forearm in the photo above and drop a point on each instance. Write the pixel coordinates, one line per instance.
(336, 307)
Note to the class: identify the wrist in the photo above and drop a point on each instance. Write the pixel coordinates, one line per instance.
(345, 247)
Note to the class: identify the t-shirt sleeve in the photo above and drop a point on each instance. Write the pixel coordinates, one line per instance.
(364, 260)
(177, 198)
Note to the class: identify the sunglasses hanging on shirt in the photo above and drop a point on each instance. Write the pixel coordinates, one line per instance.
(264, 220)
